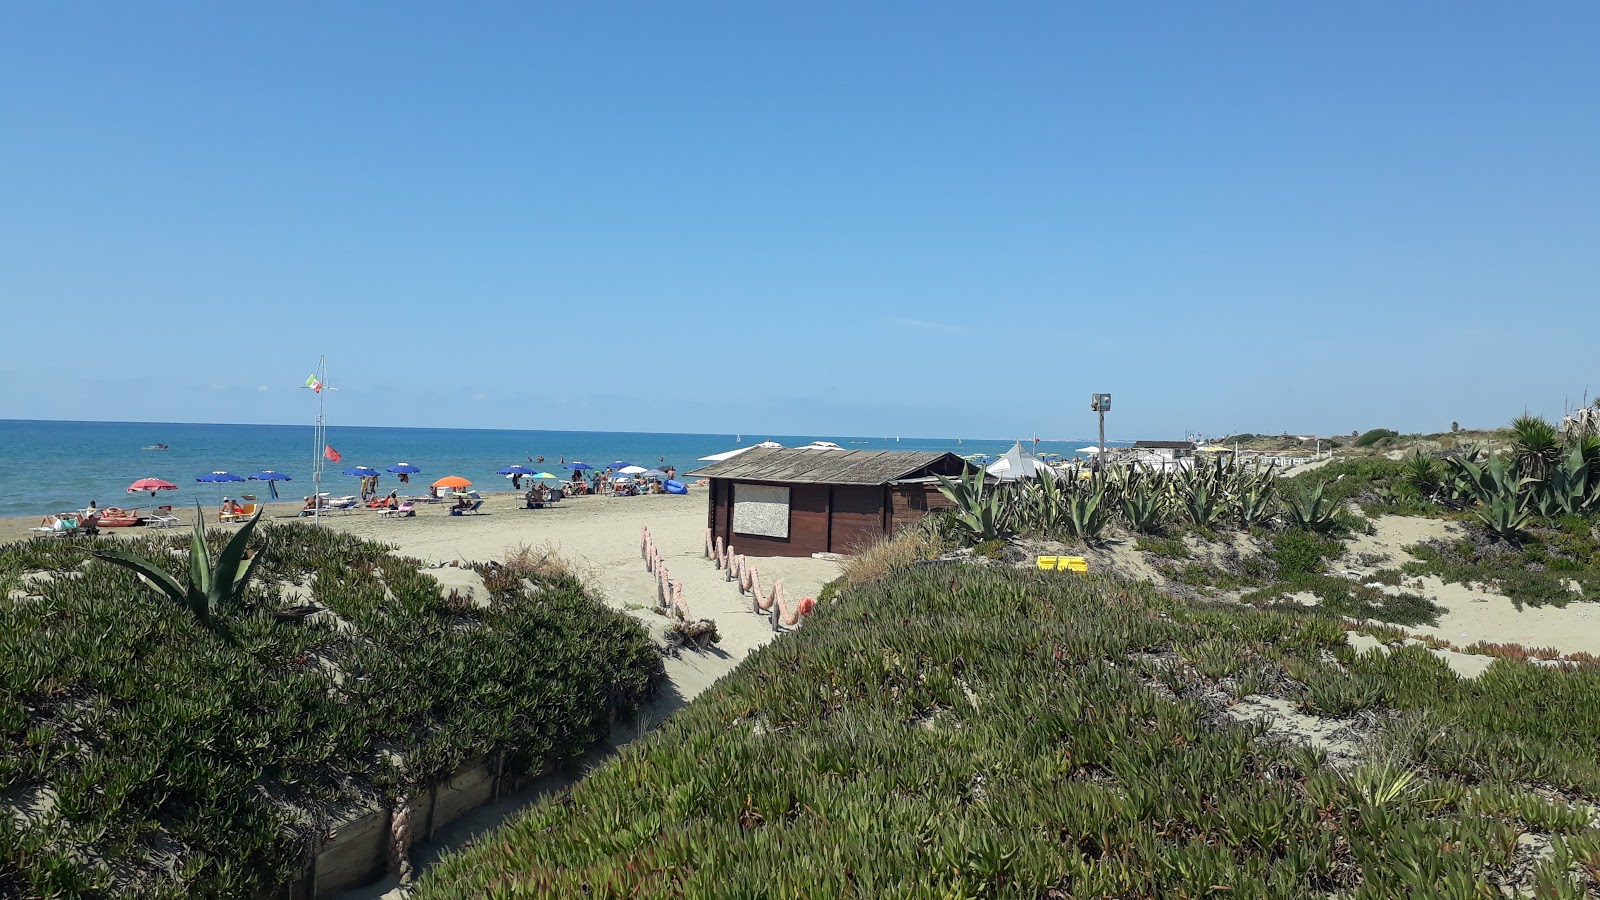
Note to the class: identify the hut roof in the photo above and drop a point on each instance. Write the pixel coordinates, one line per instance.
(801, 466)
(1163, 445)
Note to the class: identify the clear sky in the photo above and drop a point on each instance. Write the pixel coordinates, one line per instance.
(922, 218)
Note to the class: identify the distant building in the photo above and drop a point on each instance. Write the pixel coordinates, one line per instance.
(1164, 449)
(797, 502)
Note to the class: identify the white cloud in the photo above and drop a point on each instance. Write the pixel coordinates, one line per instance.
(262, 389)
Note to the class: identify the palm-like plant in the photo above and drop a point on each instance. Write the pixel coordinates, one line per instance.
(1536, 447)
(1423, 474)
(210, 585)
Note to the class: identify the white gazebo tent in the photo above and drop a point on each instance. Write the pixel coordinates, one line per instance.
(1016, 463)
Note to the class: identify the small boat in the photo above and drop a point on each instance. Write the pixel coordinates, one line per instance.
(157, 447)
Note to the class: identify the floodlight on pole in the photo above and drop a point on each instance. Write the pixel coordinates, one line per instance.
(1100, 403)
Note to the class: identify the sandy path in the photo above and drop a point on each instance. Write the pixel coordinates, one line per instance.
(1472, 615)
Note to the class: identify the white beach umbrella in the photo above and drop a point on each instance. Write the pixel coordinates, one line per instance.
(633, 470)
(727, 454)
(1088, 449)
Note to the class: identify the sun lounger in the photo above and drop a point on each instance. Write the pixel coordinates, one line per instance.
(245, 512)
(60, 525)
(162, 519)
(403, 511)
(471, 510)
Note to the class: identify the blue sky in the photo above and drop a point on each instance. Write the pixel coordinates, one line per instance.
(847, 218)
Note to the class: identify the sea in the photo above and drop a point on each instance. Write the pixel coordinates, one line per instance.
(48, 466)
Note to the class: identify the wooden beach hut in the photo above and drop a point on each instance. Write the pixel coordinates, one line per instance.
(796, 502)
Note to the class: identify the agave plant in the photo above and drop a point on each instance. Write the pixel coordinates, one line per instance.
(1088, 513)
(978, 512)
(210, 584)
(1143, 506)
(1505, 516)
(1255, 501)
(1483, 483)
(1571, 489)
(1203, 503)
(1310, 510)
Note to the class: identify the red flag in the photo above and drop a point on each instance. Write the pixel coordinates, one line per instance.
(1036, 440)
(330, 453)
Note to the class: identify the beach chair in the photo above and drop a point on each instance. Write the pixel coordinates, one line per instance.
(471, 510)
(403, 511)
(245, 512)
(163, 518)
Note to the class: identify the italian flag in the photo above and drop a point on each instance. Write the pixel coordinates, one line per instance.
(313, 383)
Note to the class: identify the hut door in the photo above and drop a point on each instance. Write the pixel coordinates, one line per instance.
(857, 517)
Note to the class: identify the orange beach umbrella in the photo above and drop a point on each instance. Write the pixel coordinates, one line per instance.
(452, 481)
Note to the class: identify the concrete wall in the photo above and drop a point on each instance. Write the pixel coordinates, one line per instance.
(357, 852)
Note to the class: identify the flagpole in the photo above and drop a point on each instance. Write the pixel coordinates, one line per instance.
(319, 437)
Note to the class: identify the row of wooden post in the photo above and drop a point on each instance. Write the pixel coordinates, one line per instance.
(737, 568)
(669, 593)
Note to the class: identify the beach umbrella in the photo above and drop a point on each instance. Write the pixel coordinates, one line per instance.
(152, 485)
(219, 479)
(514, 470)
(362, 472)
(1088, 449)
(632, 470)
(618, 464)
(452, 481)
(271, 478)
(548, 476)
(654, 473)
(578, 466)
(405, 468)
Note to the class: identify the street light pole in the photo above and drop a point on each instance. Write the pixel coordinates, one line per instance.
(1100, 403)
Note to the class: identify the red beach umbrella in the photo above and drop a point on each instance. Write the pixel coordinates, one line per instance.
(152, 485)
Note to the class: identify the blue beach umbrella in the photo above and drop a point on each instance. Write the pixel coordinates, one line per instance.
(578, 466)
(618, 464)
(219, 478)
(405, 468)
(271, 478)
(515, 470)
(362, 472)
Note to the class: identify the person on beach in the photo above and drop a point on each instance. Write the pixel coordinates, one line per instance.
(309, 507)
(90, 522)
(516, 480)
(229, 508)
(404, 478)
(672, 474)
(393, 500)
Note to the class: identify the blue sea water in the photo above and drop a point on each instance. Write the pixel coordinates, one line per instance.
(52, 466)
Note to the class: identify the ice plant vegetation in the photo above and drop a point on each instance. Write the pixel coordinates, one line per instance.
(141, 756)
(967, 731)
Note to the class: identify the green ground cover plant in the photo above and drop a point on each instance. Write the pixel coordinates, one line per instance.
(174, 749)
(1001, 733)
